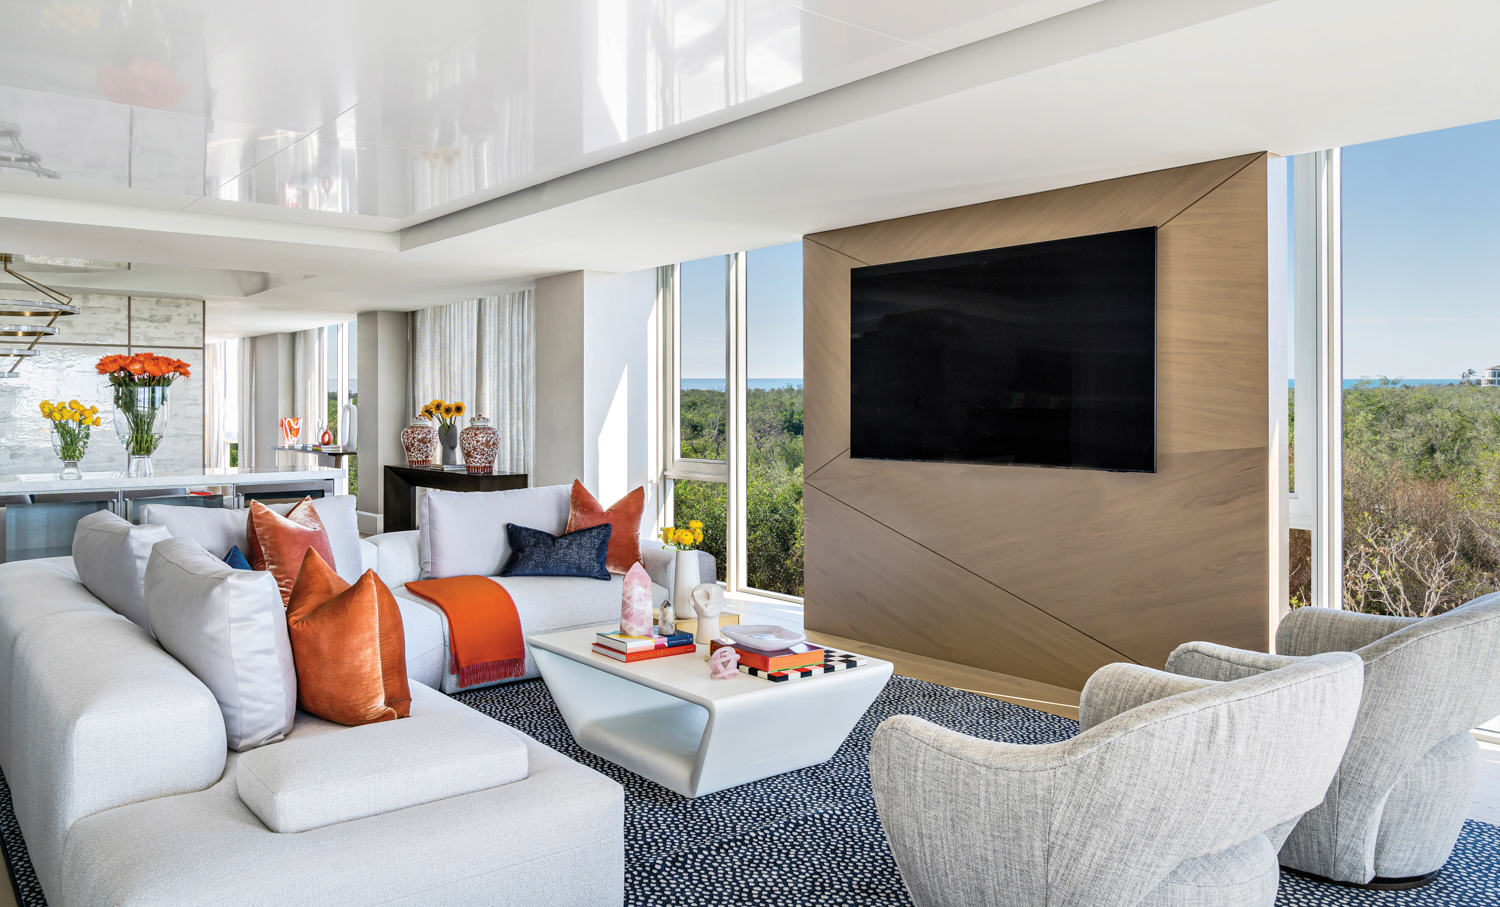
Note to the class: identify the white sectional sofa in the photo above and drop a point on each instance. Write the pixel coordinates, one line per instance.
(461, 535)
(127, 794)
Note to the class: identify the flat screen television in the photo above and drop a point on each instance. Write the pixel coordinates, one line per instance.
(1036, 355)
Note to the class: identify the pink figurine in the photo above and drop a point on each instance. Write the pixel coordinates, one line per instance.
(724, 664)
(635, 604)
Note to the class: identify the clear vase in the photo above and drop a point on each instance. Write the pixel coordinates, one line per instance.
(70, 445)
(140, 423)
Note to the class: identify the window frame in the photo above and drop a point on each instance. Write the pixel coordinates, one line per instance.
(732, 471)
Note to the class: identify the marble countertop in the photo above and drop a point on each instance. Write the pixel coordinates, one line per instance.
(30, 483)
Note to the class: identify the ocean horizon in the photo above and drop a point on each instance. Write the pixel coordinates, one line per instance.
(1350, 382)
(755, 384)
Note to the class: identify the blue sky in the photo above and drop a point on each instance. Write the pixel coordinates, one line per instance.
(1422, 254)
(774, 285)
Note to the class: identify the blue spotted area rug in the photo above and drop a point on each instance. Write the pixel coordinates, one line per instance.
(812, 838)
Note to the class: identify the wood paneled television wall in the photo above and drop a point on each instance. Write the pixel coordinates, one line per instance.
(1050, 573)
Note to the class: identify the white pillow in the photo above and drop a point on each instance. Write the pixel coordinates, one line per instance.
(218, 530)
(463, 532)
(228, 627)
(110, 556)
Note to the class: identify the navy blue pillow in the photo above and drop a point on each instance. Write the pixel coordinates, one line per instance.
(236, 559)
(538, 553)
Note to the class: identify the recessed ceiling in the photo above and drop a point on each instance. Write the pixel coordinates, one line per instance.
(388, 112)
(897, 109)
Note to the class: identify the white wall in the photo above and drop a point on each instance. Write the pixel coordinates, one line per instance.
(620, 391)
(597, 383)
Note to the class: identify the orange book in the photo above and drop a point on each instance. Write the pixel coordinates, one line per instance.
(644, 654)
(798, 656)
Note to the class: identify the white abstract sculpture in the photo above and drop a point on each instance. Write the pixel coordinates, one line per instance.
(708, 603)
(635, 603)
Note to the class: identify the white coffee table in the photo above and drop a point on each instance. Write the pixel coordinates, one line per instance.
(665, 719)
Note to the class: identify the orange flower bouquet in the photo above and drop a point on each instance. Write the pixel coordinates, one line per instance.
(140, 384)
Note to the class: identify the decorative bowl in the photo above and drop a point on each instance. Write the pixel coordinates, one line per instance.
(763, 637)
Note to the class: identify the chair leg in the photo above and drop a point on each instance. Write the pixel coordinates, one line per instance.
(1379, 883)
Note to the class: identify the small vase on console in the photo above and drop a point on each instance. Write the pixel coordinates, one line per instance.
(480, 443)
(418, 440)
(448, 442)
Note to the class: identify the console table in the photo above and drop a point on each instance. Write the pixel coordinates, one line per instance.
(402, 482)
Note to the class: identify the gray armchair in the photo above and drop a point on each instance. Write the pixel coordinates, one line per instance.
(1176, 792)
(1392, 816)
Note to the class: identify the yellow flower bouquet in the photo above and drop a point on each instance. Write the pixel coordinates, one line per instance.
(682, 539)
(72, 423)
(447, 416)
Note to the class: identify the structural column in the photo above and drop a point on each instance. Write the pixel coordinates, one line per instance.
(384, 407)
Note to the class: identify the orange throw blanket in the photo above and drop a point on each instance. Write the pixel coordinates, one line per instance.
(484, 629)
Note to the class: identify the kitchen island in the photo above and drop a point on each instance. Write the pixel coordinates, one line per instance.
(38, 511)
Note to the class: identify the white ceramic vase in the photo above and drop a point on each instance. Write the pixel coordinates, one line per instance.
(685, 579)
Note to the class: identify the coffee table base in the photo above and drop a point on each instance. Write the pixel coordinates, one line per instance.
(694, 749)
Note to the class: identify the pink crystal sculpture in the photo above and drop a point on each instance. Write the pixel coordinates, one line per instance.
(724, 664)
(635, 604)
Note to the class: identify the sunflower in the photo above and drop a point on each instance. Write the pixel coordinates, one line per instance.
(458, 408)
(448, 410)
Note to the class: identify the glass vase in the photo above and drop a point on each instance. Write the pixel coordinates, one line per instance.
(140, 423)
(71, 444)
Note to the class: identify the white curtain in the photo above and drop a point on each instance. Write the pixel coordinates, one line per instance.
(310, 384)
(483, 352)
(215, 389)
(246, 390)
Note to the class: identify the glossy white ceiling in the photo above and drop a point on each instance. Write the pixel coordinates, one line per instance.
(387, 112)
(1095, 91)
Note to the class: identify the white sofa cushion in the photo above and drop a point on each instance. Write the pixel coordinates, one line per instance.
(228, 627)
(110, 556)
(443, 750)
(218, 530)
(100, 717)
(463, 532)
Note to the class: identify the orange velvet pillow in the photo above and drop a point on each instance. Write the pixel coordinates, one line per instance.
(624, 515)
(277, 543)
(348, 645)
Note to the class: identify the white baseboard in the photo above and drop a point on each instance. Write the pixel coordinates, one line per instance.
(370, 523)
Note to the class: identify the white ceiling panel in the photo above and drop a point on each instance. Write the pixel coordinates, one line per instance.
(940, 26)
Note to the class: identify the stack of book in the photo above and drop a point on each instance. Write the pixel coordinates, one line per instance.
(795, 663)
(639, 648)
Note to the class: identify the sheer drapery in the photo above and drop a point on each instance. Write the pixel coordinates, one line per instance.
(310, 384)
(215, 389)
(245, 388)
(483, 352)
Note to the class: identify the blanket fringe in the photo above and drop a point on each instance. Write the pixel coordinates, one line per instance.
(490, 671)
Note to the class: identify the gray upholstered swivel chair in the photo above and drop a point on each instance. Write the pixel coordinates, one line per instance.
(1393, 814)
(1170, 795)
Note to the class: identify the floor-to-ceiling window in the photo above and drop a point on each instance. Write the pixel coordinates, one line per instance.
(734, 399)
(1394, 281)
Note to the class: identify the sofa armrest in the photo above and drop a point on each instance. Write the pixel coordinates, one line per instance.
(1313, 631)
(369, 556)
(1209, 661)
(443, 750)
(398, 556)
(1117, 688)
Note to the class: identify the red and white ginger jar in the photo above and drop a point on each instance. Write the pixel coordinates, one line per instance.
(419, 439)
(480, 443)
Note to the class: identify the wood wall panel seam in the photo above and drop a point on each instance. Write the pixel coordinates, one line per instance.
(983, 579)
(833, 250)
(812, 475)
(1257, 157)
